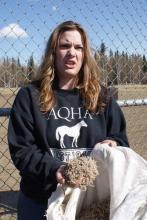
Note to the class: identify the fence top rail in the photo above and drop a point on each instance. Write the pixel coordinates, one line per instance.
(4, 112)
(132, 102)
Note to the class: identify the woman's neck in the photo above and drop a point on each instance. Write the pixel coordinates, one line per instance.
(68, 84)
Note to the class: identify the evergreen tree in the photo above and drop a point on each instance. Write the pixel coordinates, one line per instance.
(102, 49)
(144, 68)
(30, 68)
(13, 73)
(110, 53)
(18, 63)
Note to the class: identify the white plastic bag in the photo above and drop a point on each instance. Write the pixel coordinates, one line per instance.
(127, 172)
(62, 205)
(123, 177)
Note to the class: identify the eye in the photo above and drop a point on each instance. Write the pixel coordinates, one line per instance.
(78, 47)
(64, 46)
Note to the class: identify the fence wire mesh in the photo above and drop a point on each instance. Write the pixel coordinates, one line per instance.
(118, 36)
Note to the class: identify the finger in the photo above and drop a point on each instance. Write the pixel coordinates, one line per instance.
(60, 178)
(60, 175)
(112, 144)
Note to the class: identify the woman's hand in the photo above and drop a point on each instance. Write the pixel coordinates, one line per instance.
(61, 179)
(111, 143)
(60, 175)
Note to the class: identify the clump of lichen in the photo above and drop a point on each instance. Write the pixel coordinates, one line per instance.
(99, 210)
(82, 170)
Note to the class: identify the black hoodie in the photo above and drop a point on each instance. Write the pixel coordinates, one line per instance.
(39, 143)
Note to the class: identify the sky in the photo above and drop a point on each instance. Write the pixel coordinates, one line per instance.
(25, 25)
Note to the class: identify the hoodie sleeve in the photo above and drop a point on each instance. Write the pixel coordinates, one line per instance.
(31, 159)
(116, 124)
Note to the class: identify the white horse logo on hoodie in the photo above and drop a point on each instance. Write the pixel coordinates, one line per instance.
(69, 131)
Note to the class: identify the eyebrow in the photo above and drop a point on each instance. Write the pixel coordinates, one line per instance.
(69, 43)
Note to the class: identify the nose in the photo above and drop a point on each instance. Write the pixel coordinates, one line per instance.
(72, 51)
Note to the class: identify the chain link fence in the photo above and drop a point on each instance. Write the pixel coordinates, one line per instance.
(118, 36)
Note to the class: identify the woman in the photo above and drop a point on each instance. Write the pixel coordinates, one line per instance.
(60, 116)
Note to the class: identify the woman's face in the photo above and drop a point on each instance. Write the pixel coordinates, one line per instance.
(69, 55)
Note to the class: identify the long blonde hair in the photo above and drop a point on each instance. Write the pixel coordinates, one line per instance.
(89, 75)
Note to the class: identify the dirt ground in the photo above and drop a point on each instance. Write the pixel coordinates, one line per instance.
(136, 118)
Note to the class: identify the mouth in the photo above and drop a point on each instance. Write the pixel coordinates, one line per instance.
(70, 63)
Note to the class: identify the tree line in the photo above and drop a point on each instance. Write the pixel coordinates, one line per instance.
(15, 74)
(121, 68)
(116, 68)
